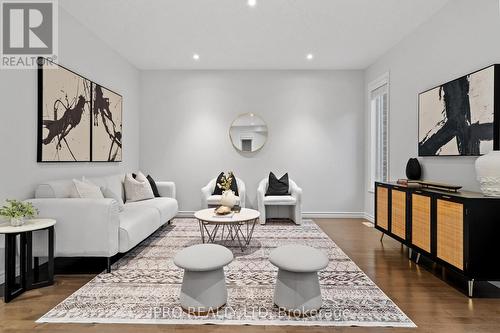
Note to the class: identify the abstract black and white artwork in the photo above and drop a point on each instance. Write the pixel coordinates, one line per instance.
(64, 115)
(106, 125)
(78, 120)
(457, 118)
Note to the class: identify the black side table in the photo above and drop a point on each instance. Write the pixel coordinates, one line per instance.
(29, 275)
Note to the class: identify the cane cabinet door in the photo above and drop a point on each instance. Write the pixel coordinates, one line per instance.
(398, 213)
(382, 217)
(450, 232)
(421, 221)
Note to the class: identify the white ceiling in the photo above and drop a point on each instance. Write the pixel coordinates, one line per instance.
(275, 34)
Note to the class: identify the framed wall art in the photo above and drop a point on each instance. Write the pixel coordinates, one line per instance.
(460, 117)
(78, 120)
(106, 125)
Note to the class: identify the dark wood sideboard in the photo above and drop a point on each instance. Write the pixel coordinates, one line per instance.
(457, 230)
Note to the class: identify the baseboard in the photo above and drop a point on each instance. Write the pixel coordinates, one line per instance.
(185, 214)
(333, 215)
(369, 217)
(306, 215)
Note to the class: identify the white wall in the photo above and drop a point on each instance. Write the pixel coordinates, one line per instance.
(315, 122)
(462, 37)
(83, 52)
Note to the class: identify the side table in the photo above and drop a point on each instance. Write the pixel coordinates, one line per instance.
(28, 278)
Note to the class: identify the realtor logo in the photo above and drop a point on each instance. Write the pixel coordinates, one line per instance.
(29, 30)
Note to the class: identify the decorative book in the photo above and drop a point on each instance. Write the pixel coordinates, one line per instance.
(429, 185)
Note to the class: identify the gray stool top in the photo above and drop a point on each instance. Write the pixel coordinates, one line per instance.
(203, 257)
(298, 258)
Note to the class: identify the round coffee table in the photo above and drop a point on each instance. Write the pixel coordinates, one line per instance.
(239, 226)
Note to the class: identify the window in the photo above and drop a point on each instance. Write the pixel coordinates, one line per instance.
(379, 132)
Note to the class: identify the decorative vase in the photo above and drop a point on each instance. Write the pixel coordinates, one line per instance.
(413, 169)
(16, 221)
(228, 199)
(488, 173)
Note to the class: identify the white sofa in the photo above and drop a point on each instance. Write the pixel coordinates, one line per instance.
(279, 206)
(96, 227)
(207, 198)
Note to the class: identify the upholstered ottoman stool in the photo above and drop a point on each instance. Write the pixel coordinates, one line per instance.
(297, 288)
(204, 283)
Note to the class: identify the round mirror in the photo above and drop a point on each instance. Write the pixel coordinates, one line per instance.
(248, 133)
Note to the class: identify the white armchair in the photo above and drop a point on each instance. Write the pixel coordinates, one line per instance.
(207, 198)
(280, 206)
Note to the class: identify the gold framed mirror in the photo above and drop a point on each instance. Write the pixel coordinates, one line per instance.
(248, 133)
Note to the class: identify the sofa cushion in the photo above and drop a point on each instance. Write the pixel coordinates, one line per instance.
(97, 181)
(115, 184)
(86, 190)
(166, 207)
(279, 200)
(136, 224)
(55, 189)
(215, 200)
(108, 193)
(64, 188)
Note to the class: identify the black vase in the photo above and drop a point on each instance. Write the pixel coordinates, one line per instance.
(413, 169)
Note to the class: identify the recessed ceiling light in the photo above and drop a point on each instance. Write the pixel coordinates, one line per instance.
(310, 56)
(252, 3)
(196, 56)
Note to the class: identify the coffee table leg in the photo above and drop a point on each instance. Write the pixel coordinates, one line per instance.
(250, 234)
(237, 231)
(202, 232)
(213, 234)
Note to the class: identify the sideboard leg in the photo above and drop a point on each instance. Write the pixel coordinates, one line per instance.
(409, 253)
(418, 258)
(108, 268)
(382, 237)
(471, 287)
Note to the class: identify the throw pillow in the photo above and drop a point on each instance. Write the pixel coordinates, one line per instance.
(234, 185)
(107, 193)
(152, 182)
(278, 186)
(137, 189)
(153, 186)
(85, 189)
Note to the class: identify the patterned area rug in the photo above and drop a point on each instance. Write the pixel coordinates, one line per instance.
(144, 285)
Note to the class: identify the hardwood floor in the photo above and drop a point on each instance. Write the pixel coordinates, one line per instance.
(434, 305)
